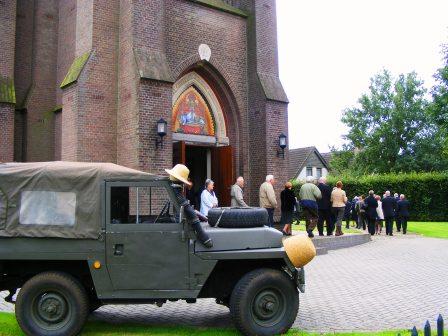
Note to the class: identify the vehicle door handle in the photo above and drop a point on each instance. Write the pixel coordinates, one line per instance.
(118, 249)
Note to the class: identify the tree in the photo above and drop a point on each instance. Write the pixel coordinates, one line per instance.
(391, 129)
(439, 105)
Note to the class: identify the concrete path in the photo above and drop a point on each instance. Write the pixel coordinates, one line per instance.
(389, 283)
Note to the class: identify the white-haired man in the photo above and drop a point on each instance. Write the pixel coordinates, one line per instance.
(267, 197)
(309, 194)
(237, 194)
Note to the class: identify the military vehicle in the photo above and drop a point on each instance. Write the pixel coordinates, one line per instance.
(75, 236)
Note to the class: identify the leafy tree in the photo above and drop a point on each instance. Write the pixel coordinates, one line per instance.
(439, 105)
(390, 130)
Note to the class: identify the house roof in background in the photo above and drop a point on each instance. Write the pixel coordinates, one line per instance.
(298, 158)
(327, 157)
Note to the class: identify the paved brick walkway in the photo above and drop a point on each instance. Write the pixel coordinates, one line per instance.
(389, 283)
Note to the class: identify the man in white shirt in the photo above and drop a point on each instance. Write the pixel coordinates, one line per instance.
(208, 197)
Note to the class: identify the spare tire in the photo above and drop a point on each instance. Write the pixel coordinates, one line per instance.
(238, 217)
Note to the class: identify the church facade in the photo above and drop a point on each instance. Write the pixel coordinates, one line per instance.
(89, 80)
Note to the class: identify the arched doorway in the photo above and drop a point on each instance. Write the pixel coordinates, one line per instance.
(200, 137)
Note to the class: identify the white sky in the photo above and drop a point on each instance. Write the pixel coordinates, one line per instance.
(329, 49)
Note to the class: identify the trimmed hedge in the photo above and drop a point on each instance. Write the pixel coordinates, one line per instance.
(427, 192)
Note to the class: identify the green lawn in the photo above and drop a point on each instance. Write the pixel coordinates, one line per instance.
(9, 327)
(429, 229)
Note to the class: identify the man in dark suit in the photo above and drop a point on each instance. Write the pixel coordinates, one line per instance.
(403, 212)
(389, 205)
(397, 218)
(324, 208)
(371, 213)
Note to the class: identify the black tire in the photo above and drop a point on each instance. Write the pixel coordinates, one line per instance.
(264, 302)
(238, 217)
(52, 304)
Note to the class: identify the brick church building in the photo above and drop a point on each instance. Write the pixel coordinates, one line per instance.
(88, 80)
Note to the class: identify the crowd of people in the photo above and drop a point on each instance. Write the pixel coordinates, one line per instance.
(323, 206)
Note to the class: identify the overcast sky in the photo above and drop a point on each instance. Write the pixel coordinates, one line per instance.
(328, 50)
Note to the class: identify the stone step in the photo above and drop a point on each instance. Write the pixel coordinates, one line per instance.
(328, 243)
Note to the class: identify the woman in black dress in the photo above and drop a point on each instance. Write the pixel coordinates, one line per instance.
(288, 200)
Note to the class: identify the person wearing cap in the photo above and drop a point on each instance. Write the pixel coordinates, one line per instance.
(208, 197)
(179, 176)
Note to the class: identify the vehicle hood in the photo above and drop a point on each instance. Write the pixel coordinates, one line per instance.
(241, 238)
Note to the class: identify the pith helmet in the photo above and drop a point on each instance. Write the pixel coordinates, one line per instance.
(180, 172)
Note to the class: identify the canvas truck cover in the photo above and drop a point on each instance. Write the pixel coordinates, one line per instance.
(57, 199)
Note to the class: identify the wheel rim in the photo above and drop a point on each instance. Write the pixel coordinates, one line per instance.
(268, 307)
(50, 310)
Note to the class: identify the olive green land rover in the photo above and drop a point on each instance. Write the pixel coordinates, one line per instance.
(75, 236)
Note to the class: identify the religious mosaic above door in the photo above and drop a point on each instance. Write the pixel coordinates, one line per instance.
(191, 114)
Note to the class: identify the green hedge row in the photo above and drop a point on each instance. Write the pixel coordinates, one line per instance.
(427, 192)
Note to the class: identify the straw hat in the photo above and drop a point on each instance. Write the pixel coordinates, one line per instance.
(300, 250)
(180, 172)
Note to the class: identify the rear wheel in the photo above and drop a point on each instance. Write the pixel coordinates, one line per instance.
(52, 304)
(264, 302)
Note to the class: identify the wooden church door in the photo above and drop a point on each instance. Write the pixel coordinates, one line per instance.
(222, 173)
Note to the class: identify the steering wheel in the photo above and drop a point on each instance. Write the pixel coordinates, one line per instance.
(164, 212)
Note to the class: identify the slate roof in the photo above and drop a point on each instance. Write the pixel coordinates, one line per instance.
(298, 158)
(327, 156)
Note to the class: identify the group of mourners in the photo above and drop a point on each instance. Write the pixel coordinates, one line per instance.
(322, 204)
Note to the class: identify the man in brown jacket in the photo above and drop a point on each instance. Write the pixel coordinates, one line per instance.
(267, 197)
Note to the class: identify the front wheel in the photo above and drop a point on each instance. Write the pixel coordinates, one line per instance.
(264, 302)
(52, 304)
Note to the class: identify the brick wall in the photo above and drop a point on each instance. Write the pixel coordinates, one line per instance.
(42, 100)
(57, 135)
(19, 135)
(92, 103)
(69, 128)
(128, 79)
(66, 42)
(154, 103)
(7, 42)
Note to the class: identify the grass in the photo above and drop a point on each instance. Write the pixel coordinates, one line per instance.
(9, 327)
(429, 229)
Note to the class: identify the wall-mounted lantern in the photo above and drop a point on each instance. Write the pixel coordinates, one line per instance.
(162, 126)
(282, 145)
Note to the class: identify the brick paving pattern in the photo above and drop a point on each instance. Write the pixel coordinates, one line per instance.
(389, 283)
